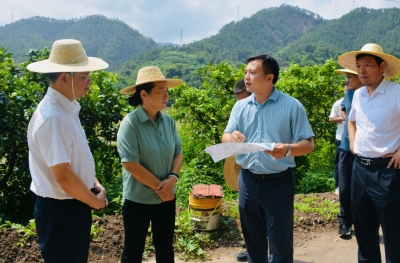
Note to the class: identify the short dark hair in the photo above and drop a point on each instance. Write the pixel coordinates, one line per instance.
(53, 76)
(377, 59)
(269, 64)
(135, 99)
(239, 87)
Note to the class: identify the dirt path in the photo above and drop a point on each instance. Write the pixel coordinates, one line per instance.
(323, 248)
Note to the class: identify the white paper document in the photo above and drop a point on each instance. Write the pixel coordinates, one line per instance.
(224, 150)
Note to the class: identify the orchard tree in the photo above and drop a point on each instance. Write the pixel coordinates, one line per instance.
(317, 88)
(202, 114)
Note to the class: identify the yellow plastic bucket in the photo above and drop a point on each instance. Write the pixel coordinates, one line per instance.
(205, 212)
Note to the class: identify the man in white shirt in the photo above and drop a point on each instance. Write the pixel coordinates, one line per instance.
(60, 161)
(336, 117)
(374, 133)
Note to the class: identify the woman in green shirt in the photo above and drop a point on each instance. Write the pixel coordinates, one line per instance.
(151, 155)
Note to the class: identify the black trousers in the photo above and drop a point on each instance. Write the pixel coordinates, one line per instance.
(266, 215)
(137, 218)
(376, 201)
(336, 165)
(63, 229)
(345, 171)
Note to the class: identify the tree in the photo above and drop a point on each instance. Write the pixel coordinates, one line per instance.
(202, 115)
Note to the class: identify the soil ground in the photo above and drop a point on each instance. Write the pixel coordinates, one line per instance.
(315, 240)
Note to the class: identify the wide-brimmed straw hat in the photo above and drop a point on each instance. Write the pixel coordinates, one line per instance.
(150, 74)
(345, 71)
(348, 60)
(231, 172)
(67, 55)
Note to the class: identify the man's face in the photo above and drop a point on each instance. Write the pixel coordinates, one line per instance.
(82, 83)
(255, 79)
(353, 81)
(369, 72)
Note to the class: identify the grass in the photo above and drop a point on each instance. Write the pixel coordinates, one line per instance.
(311, 203)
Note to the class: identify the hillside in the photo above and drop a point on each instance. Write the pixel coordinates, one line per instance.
(350, 32)
(267, 31)
(111, 39)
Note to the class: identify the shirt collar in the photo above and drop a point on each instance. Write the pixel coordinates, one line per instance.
(69, 106)
(143, 117)
(274, 97)
(381, 88)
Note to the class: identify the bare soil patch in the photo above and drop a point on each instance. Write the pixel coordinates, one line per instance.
(108, 245)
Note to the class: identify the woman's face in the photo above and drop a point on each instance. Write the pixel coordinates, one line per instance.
(158, 97)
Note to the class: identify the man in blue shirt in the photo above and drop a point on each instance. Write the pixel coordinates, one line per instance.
(266, 182)
(346, 157)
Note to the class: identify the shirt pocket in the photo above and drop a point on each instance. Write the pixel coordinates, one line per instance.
(382, 118)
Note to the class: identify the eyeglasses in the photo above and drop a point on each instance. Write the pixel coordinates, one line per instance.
(85, 77)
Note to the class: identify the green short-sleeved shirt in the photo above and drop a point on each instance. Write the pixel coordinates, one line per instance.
(153, 144)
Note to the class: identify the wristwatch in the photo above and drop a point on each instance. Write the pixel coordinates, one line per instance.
(289, 151)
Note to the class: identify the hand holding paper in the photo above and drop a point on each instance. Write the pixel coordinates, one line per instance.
(279, 150)
(223, 150)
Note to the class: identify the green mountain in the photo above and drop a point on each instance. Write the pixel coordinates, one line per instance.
(350, 32)
(291, 34)
(110, 39)
(267, 31)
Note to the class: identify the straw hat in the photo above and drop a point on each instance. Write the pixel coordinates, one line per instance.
(344, 71)
(150, 74)
(67, 55)
(231, 172)
(348, 60)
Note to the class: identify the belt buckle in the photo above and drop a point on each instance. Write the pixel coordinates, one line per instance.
(365, 161)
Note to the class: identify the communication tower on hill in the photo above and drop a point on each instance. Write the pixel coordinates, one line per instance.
(237, 15)
(12, 16)
(354, 1)
(181, 43)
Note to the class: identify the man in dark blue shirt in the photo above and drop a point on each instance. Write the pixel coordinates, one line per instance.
(346, 158)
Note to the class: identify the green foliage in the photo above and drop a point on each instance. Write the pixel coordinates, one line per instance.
(317, 88)
(26, 232)
(315, 182)
(18, 98)
(203, 114)
(189, 243)
(311, 204)
(95, 230)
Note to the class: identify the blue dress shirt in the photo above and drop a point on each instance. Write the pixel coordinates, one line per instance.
(280, 119)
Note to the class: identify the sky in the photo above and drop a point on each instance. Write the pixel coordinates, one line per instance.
(166, 20)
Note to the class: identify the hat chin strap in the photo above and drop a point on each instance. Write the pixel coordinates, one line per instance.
(73, 92)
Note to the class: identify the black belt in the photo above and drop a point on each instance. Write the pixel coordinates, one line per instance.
(268, 176)
(373, 161)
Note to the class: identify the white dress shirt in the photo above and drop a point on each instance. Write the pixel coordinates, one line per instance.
(55, 136)
(335, 112)
(377, 120)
